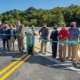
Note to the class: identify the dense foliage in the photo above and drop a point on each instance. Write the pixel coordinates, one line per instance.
(37, 17)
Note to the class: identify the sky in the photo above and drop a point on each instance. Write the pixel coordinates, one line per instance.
(6, 5)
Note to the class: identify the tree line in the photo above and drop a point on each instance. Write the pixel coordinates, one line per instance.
(37, 17)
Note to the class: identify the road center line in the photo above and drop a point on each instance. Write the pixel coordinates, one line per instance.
(12, 64)
(18, 65)
(13, 69)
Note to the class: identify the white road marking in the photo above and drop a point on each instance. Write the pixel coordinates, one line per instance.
(67, 64)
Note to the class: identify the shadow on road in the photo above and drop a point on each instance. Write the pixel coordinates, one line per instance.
(45, 62)
(13, 54)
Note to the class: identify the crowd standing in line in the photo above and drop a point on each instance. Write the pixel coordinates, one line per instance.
(9, 35)
(71, 34)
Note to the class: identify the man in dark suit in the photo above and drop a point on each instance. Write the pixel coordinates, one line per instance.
(54, 37)
(11, 37)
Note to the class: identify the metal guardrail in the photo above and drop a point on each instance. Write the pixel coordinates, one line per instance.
(38, 28)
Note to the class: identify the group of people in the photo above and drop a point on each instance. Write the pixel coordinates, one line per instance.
(71, 34)
(8, 35)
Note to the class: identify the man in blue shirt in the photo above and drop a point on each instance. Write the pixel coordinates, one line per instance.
(4, 36)
(73, 36)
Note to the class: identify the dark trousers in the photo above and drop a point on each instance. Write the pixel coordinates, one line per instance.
(4, 42)
(54, 49)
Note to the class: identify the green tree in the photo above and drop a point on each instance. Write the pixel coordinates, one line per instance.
(1, 17)
(37, 17)
(33, 22)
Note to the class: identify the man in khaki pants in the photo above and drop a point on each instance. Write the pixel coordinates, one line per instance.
(73, 36)
(63, 36)
(20, 36)
(11, 37)
(44, 32)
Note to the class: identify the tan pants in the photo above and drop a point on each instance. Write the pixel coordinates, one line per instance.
(43, 45)
(62, 51)
(11, 41)
(72, 48)
(21, 43)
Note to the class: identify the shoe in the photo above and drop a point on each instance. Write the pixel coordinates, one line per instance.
(19, 50)
(67, 57)
(34, 52)
(3, 48)
(40, 51)
(53, 57)
(62, 60)
(13, 50)
(9, 49)
(31, 54)
(59, 58)
(72, 60)
(23, 51)
(44, 53)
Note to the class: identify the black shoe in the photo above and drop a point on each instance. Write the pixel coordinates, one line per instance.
(4, 48)
(53, 56)
(19, 51)
(59, 58)
(31, 54)
(9, 50)
(62, 60)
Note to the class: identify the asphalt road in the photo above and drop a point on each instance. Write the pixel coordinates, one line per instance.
(35, 68)
(18, 66)
(39, 68)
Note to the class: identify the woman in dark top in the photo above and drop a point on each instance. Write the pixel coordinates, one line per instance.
(54, 37)
(4, 36)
